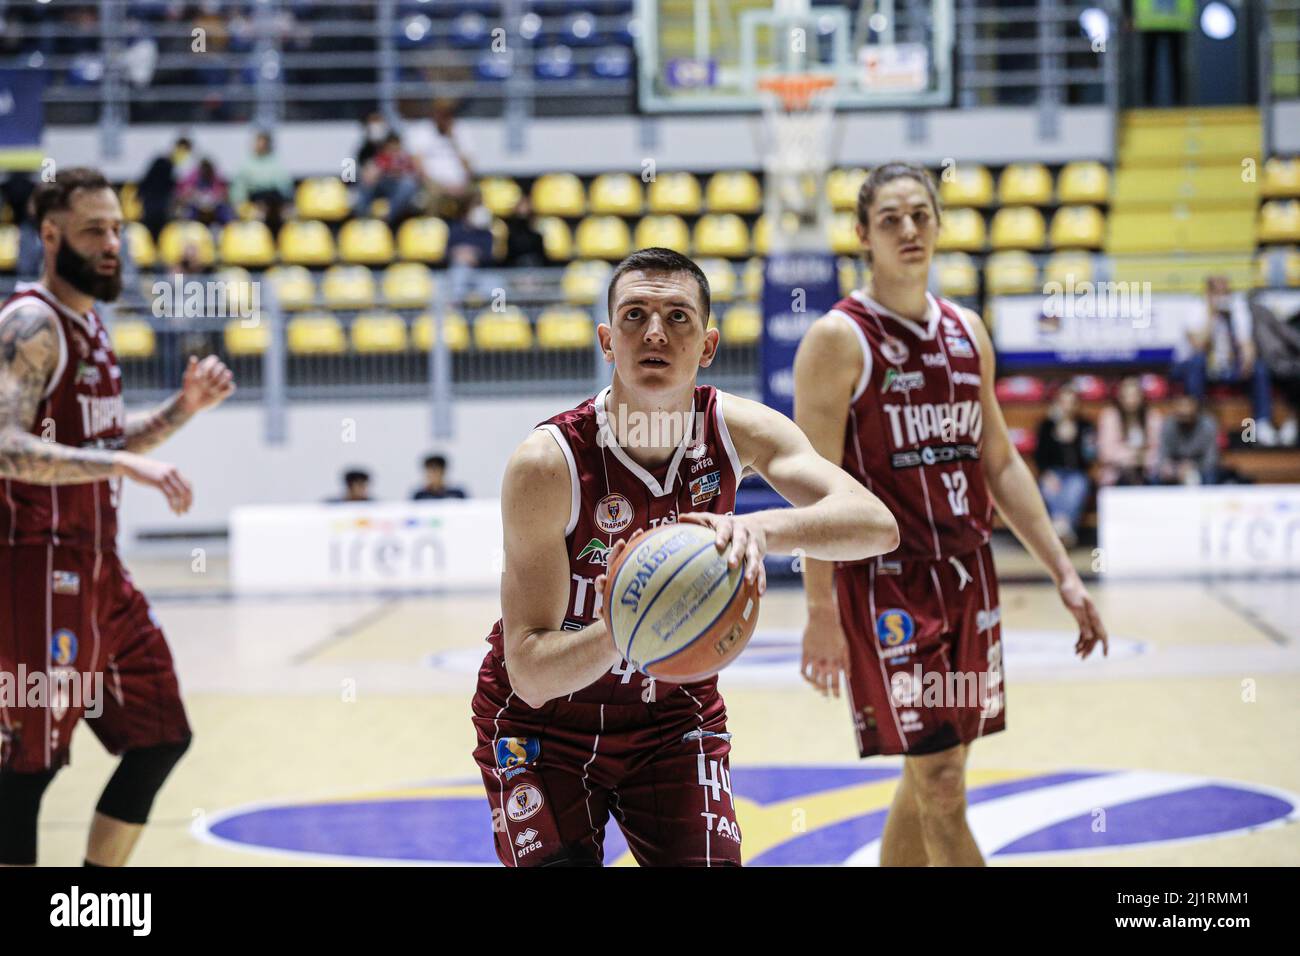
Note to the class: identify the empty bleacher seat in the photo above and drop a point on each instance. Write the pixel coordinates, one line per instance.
(669, 231)
(295, 289)
(1084, 181)
(742, 324)
(966, 184)
(1279, 221)
(378, 332)
(139, 244)
(843, 238)
(247, 244)
(306, 242)
(132, 339)
(565, 327)
(1011, 272)
(1278, 266)
(1017, 227)
(454, 327)
(733, 191)
(584, 281)
(324, 198)
(129, 197)
(244, 338)
(240, 290)
(1068, 268)
(962, 230)
(956, 274)
(1025, 184)
(423, 239)
(315, 333)
(1078, 227)
(751, 280)
(557, 238)
(348, 287)
(408, 285)
(366, 241)
(722, 278)
(603, 237)
(1281, 178)
(846, 270)
(501, 194)
(558, 194)
(617, 194)
(842, 188)
(508, 330)
(180, 238)
(722, 234)
(675, 193)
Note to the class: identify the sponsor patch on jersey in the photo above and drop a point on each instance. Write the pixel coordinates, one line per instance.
(705, 488)
(934, 359)
(894, 350)
(966, 378)
(959, 346)
(934, 455)
(87, 374)
(66, 582)
(895, 630)
(595, 551)
(896, 381)
(516, 754)
(890, 567)
(524, 802)
(63, 647)
(613, 514)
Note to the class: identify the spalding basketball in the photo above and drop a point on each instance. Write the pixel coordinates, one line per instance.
(674, 608)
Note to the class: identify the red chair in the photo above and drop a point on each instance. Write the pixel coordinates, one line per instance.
(1155, 387)
(1020, 388)
(1024, 440)
(1090, 388)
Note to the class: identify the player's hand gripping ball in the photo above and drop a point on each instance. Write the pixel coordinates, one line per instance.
(674, 608)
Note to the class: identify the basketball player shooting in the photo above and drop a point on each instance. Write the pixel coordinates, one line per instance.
(71, 610)
(568, 731)
(898, 386)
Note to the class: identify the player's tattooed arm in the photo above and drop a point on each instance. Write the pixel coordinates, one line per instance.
(29, 354)
(146, 430)
(207, 383)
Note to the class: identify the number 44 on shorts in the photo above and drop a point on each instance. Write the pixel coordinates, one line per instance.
(717, 778)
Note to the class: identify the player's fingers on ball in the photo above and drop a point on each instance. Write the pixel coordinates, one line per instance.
(739, 544)
(762, 578)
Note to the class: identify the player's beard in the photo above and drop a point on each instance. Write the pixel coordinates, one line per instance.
(80, 273)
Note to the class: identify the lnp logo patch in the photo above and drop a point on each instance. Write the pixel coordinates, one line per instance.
(705, 488)
(895, 630)
(959, 346)
(613, 514)
(63, 647)
(524, 801)
(66, 582)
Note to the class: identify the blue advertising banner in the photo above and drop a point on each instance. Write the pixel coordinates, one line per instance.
(22, 115)
(798, 288)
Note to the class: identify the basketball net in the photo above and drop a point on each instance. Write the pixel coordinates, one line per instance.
(798, 110)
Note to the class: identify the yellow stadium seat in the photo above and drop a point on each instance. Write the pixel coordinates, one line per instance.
(842, 188)
(368, 242)
(843, 237)
(565, 327)
(1084, 181)
(132, 338)
(668, 231)
(246, 338)
(1011, 272)
(846, 269)
(247, 244)
(295, 289)
(1078, 227)
(675, 193)
(722, 234)
(408, 285)
(1279, 221)
(966, 184)
(179, 236)
(763, 232)
(962, 230)
(129, 197)
(722, 278)
(1286, 263)
(500, 194)
(306, 242)
(558, 194)
(956, 274)
(454, 327)
(742, 324)
(751, 280)
(1068, 268)
(242, 293)
(617, 194)
(734, 191)
(315, 333)
(423, 239)
(557, 240)
(139, 243)
(1018, 227)
(8, 247)
(1281, 178)
(1025, 184)
(374, 332)
(348, 287)
(505, 331)
(584, 281)
(324, 198)
(603, 237)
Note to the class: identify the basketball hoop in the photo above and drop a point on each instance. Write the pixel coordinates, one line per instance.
(798, 109)
(796, 90)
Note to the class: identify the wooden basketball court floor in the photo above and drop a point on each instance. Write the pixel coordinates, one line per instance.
(338, 702)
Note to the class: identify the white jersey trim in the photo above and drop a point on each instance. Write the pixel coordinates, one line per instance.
(575, 490)
(865, 377)
(611, 442)
(724, 433)
(932, 312)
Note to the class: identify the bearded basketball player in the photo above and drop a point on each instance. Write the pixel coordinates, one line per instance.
(898, 387)
(568, 731)
(71, 610)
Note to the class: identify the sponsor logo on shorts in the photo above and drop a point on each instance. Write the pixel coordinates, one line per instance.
(63, 647)
(66, 582)
(527, 842)
(516, 753)
(895, 630)
(595, 551)
(613, 514)
(524, 802)
(890, 567)
(987, 620)
(894, 350)
(896, 381)
(911, 721)
(705, 488)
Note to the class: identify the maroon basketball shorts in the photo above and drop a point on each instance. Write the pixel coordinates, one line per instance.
(77, 640)
(553, 782)
(925, 652)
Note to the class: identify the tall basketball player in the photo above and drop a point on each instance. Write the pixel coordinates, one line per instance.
(568, 731)
(71, 615)
(898, 386)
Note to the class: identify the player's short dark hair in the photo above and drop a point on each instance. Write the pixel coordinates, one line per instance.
(436, 461)
(56, 196)
(353, 475)
(887, 174)
(658, 259)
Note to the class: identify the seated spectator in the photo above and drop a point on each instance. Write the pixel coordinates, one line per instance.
(1065, 450)
(374, 130)
(470, 251)
(157, 188)
(1189, 444)
(263, 182)
(204, 196)
(390, 174)
(1279, 349)
(443, 153)
(356, 487)
(1220, 347)
(525, 246)
(435, 481)
(1128, 438)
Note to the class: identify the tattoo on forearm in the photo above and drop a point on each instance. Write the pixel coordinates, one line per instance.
(149, 429)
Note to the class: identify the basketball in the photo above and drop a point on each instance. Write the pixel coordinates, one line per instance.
(674, 608)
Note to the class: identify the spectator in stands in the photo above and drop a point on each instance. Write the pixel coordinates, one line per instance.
(1279, 349)
(263, 182)
(374, 130)
(391, 174)
(1220, 347)
(157, 188)
(470, 251)
(525, 246)
(1128, 438)
(16, 191)
(435, 481)
(204, 196)
(1189, 444)
(356, 487)
(1065, 449)
(443, 153)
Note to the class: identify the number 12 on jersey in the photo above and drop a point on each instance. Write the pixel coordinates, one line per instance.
(955, 482)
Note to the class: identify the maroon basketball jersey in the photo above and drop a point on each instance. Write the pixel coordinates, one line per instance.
(82, 406)
(613, 498)
(915, 423)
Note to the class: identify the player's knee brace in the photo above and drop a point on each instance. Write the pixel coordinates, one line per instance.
(139, 776)
(20, 804)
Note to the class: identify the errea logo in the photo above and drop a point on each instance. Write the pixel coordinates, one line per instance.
(103, 909)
